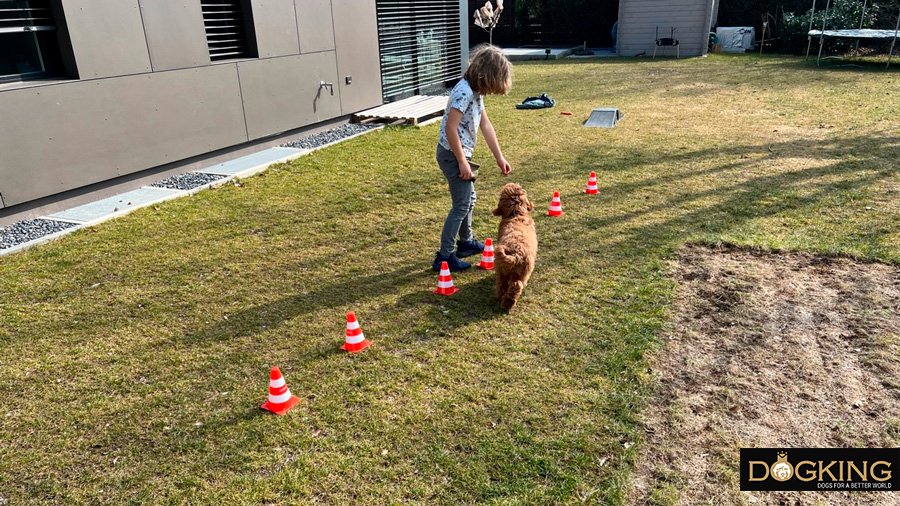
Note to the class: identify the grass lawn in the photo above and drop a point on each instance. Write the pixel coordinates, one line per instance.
(134, 355)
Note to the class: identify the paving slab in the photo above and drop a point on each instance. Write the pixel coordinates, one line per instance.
(261, 159)
(538, 53)
(116, 204)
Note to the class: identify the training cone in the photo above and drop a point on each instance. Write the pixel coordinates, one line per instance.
(280, 398)
(555, 206)
(592, 185)
(445, 282)
(487, 256)
(355, 341)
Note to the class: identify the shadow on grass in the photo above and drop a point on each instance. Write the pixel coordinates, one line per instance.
(852, 163)
(740, 203)
(337, 296)
(474, 302)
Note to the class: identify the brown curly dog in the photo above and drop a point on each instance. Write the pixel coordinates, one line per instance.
(516, 246)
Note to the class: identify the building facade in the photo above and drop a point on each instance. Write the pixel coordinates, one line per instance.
(95, 90)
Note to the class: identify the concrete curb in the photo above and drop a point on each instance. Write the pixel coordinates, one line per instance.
(245, 173)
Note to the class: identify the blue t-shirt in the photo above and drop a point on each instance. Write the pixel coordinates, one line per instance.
(470, 104)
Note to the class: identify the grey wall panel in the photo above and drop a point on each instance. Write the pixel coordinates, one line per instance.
(356, 39)
(175, 33)
(315, 25)
(276, 28)
(107, 37)
(85, 132)
(281, 94)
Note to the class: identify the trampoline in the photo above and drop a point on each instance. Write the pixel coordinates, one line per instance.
(860, 33)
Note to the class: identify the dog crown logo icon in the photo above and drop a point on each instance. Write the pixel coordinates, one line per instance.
(782, 470)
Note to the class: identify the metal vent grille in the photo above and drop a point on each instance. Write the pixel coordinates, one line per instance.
(25, 16)
(226, 32)
(420, 45)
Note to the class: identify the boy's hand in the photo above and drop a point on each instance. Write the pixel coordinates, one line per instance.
(505, 168)
(465, 172)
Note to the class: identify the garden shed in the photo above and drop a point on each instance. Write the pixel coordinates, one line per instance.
(639, 20)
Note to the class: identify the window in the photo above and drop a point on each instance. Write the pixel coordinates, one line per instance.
(227, 24)
(420, 45)
(28, 46)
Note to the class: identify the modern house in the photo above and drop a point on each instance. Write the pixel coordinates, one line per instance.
(96, 95)
(96, 92)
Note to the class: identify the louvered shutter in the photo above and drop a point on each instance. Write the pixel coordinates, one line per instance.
(226, 33)
(25, 16)
(419, 42)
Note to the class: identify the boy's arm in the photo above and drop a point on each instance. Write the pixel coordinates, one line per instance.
(490, 137)
(452, 131)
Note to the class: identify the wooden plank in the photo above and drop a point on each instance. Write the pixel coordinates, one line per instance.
(430, 103)
(422, 109)
(394, 107)
(382, 109)
(430, 107)
(412, 104)
(433, 113)
(409, 111)
(358, 119)
(435, 102)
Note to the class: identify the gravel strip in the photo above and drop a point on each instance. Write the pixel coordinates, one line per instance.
(29, 230)
(322, 138)
(187, 181)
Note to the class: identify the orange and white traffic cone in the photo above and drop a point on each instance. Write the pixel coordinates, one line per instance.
(592, 185)
(555, 206)
(445, 282)
(280, 398)
(487, 256)
(355, 341)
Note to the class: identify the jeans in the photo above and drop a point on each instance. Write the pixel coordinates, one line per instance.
(462, 193)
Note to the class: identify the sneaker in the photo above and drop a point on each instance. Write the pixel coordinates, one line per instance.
(453, 262)
(468, 248)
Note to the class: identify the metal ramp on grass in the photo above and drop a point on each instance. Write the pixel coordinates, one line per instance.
(604, 117)
(409, 111)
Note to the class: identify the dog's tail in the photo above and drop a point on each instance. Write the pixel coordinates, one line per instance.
(510, 254)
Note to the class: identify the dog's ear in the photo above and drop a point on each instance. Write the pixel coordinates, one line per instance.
(497, 212)
(530, 205)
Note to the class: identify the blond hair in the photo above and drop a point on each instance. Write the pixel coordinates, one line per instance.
(489, 72)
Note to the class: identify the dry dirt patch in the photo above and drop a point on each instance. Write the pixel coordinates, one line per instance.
(769, 350)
